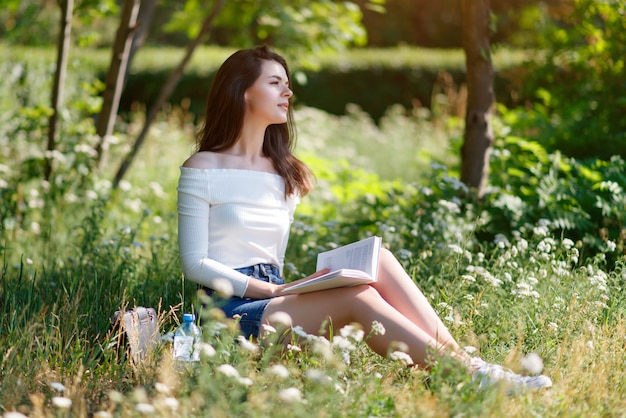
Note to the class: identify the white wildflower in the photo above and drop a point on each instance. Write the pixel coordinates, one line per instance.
(599, 280)
(468, 278)
(268, 329)
(280, 318)
(245, 381)
(62, 402)
(162, 388)
(322, 347)
(171, 403)
(469, 349)
(401, 356)
(116, 397)
(589, 345)
(552, 326)
(501, 241)
(293, 348)
(378, 328)
(133, 204)
(522, 245)
(339, 389)
(567, 243)
(352, 331)
(157, 189)
(13, 414)
(228, 370)
(532, 363)
(85, 149)
(451, 206)
(610, 246)
(455, 248)
(145, 408)
(223, 287)
(544, 246)
(247, 344)
(279, 370)
(290, 395)
(59, 387)
(493, 281)
(343, 343)
(206, 349)
(125, 186)
(317, 376)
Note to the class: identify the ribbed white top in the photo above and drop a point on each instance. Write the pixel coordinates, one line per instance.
(231, 218)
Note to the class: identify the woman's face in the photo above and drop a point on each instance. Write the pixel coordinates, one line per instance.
(268, 98)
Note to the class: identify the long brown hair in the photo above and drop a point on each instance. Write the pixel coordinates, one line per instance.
(225, 111)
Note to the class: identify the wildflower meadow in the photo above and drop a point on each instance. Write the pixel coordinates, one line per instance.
(531, 277)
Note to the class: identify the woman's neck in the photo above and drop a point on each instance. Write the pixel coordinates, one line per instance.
(250, 142)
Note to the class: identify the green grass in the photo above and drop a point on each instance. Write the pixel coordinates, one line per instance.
(60, 287)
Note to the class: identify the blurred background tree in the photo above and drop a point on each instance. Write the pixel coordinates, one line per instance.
(403, 22)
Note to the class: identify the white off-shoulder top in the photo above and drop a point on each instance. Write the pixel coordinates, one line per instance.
(231, 218)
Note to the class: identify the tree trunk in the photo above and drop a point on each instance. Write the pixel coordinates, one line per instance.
(63, 46)
(478, 137)
(166, 91)
(117, 72)
(146, 12)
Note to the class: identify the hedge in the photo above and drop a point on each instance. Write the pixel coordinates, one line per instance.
(371, 79)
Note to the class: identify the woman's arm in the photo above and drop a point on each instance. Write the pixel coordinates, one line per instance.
(193, 239)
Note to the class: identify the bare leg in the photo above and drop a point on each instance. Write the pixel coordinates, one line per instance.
(401, 292)
(361, 304)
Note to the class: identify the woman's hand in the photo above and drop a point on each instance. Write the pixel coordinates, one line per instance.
(258, 289)
(304, 279)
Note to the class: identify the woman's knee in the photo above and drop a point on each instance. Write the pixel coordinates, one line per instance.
(365, 294)
(387, 256)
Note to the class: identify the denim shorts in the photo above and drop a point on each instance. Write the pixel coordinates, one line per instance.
(250, 311)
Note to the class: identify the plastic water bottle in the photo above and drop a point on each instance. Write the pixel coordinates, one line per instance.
(186, 339)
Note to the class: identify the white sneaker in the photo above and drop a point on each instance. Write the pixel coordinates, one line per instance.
(487, 374)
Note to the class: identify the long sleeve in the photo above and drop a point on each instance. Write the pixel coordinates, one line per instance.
(193, 242)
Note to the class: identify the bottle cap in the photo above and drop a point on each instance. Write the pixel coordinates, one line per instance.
(188, 317)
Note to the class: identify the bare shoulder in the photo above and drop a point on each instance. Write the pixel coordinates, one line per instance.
(203, 159)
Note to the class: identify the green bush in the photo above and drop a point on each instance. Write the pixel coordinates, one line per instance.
(579, 83)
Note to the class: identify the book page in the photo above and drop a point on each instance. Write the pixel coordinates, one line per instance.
(350, 265)
(361, 255)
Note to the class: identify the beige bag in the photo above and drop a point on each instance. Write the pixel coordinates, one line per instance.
(136, 330)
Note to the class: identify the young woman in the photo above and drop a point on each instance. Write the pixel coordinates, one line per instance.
(236, 200)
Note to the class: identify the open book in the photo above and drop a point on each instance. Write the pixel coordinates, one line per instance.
(350, 265)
